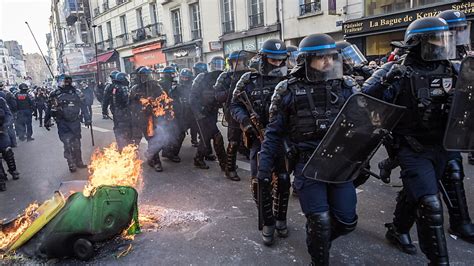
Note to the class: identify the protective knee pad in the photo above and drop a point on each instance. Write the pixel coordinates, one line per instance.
(340, 228)
(232, 148)
(9, 157)
(318, 237)
(454, 171)
(281, 195)
(405, 213)
(430, 229)
(264, 202)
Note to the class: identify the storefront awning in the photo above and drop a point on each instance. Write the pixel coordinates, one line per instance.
(101, 59)
(148, 55)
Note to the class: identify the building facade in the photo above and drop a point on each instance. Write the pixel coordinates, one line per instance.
(5, 66)
(70, 25)
(380, 22)
(17, 60)
(128, 34)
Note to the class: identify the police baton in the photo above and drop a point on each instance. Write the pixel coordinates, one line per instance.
(92, 134)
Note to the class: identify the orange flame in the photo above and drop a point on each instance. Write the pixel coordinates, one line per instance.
(160, 106)
(111, 167)
(11, 232)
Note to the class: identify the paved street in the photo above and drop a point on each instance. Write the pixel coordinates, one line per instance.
(209, 220)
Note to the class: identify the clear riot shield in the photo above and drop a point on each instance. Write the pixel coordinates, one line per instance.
(352, 139)
(459, 134)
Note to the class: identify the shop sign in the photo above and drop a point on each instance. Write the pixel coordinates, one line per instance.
(215, 46)
(403, 19)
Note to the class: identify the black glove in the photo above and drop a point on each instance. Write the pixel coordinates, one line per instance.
(88, 124)
(396, 72)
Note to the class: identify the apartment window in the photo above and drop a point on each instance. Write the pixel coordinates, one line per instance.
(377, 7)
(105, 5)
(255, 13)
(153, 14)
(419, 3)
(139, 18)
(309, 6)
(195, 21)
(72, 5)
(176, 21)
(101, 34)
(227, 16)
(123, 24)
(109, 30)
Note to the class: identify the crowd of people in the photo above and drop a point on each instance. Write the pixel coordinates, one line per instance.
(278, 106)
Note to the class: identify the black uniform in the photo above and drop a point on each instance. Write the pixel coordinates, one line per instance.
(116, 96)
(25, 107)
(205, 109)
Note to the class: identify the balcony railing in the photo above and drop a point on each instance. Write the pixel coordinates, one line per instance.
(109, 44)
(228, 26)
(256, 20)
(196, 34)
(122, 40)
(139, 34)
(105, 6)
(178, 38)
(101, 46)
(119, 2)
(309, 8)
(96, 11)
(154, 30)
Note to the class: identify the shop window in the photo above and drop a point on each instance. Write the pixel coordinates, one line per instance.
(379, 45)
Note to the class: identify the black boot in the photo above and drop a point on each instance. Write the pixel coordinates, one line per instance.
(318, 237)
(155, 162)
(9, 157)
(398, 232)
(470, 158)
(77, 154)
(3, 185)
(459, 219)
(430, 230)
(199, 160)
(218, 143)
(231, 169)
(72, 166)
(281, 196)
(265, 211)
(340, 228)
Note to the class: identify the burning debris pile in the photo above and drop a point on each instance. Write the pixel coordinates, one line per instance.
(157, 107)
(11, 231)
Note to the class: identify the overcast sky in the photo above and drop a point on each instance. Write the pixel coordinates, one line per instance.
(14, 13)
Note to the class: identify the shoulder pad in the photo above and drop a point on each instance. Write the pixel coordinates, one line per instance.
(199, 78)
(350, 83)
(223, 77)
(55, 93)
(281, 90)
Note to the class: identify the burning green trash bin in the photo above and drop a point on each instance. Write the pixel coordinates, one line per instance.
(85, 220)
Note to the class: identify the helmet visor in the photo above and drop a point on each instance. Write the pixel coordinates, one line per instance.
(353, 56)
(292, 59)
(217, 65)
(323, 67)
(438, 46)
(463, 35)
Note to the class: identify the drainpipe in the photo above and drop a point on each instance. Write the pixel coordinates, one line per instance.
(280, 20)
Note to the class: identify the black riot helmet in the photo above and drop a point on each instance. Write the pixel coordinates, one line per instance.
(292, 55)
(458, 25)
(112, 74)
(273, 50)
(145, 74)
(216, 64)
(23, 87)
(168, 73)
(64, 80)
(239, 60)
(431, 38)
(186, 76)
(122, 78)
(199, 68)
(320, 58)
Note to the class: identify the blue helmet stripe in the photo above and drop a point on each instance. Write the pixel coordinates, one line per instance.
(456, 20)
(440, 28)
(274, 51)
(317, 48)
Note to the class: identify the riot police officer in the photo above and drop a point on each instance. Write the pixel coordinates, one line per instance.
(25, 107)
(144, 122)
(249, 107)
(355, 63)
(11, 101)
(65, 105)
(292, 56)
(422, 83)
(6, 119)
(116, 96)
(302, 108)
(224, 87)
(184, 118)
(102, 89)
(205, 109)
(40, 104)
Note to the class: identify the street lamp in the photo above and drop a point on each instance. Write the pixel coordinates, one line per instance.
(96, 56)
